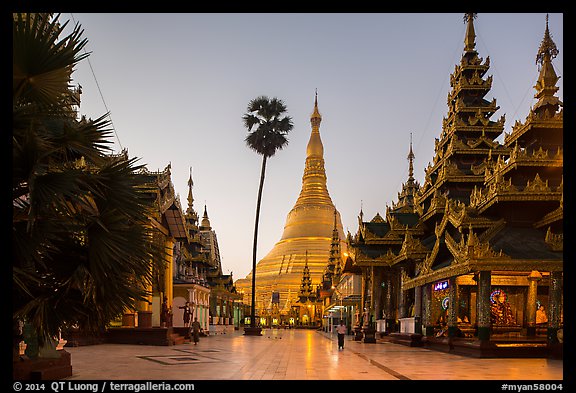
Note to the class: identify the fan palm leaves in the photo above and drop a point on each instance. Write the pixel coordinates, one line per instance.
(82, 248)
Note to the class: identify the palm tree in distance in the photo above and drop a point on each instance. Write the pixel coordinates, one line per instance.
(267, 133)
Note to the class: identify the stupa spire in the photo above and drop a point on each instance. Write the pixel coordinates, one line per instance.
(205, 219)
(548, 49)
(470, 39)
(315, 147)
(190, 196)
(316, 118)
(546, 84)
(314, 190)
(411, 161)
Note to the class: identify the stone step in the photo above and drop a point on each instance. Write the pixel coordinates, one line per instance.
(51, 373)
(176, 339)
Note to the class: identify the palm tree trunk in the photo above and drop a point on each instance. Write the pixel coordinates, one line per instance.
(254, 249)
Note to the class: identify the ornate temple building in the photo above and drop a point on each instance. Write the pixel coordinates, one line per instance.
(224, 300)
(190, 273)
(378, 249)
(306, 240)
(198, 276)
(479, 248)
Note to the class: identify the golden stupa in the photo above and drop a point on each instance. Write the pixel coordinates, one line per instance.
(306, 238)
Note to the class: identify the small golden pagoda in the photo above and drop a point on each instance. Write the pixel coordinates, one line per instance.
(306, 239)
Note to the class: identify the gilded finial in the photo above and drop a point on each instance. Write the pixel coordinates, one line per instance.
(547, 78)
(411, 160)
(190, 196)
(547, 48)
(470, 39)
(316, 118)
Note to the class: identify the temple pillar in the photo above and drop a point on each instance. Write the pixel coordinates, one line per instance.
(378, 293)
(452, 320)
(554, 307)
(483, 305)
(418, 310)
(533, 279)
(168, 277)
(402, 297)
(368, 329)
(427, 304)
(389, 301)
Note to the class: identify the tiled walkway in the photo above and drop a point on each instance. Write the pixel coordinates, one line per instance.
(295, 355)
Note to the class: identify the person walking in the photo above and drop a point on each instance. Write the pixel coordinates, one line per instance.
(341, 330)
(187, 313)
(196, 331)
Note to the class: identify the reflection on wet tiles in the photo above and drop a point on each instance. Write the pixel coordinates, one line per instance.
(300, 355)
(173, 360)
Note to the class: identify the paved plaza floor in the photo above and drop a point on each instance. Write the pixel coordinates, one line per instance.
(296, 354)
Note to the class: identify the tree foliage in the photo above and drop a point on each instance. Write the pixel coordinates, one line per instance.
(82, 247)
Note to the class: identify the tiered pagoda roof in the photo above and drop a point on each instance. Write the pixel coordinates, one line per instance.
(468, 134)
(379, 241)
(307, 292)
(512, 220)
(532, 175)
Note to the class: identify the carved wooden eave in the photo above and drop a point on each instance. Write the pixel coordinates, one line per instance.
(550, 218)
(433, 209)
(554, 240)
(157, 225)
(476, 265)
(162, 177)
(504, 191)
(437, 162)
(474, 64)
(522, 158)
(425, 265)
(454, 125)
(390, 238)
(472, 248)
(435, 275)
(492, 230)
(412, 248)
(475, 254)
(475, 82)
(486, 110)
(534, 120)
(362, 260)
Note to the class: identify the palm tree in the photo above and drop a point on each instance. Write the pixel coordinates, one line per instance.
(267, 133)
(82, 249)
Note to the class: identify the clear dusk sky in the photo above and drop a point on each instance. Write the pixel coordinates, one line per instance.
(177, 85)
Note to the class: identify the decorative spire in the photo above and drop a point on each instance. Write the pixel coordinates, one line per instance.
(546, 84)
(334, 268)
(306, 285)
(316, 118)
(190, 197)
(470, 39)
(205, 219)
(314, 189)
(411, 161)
(548, 49)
